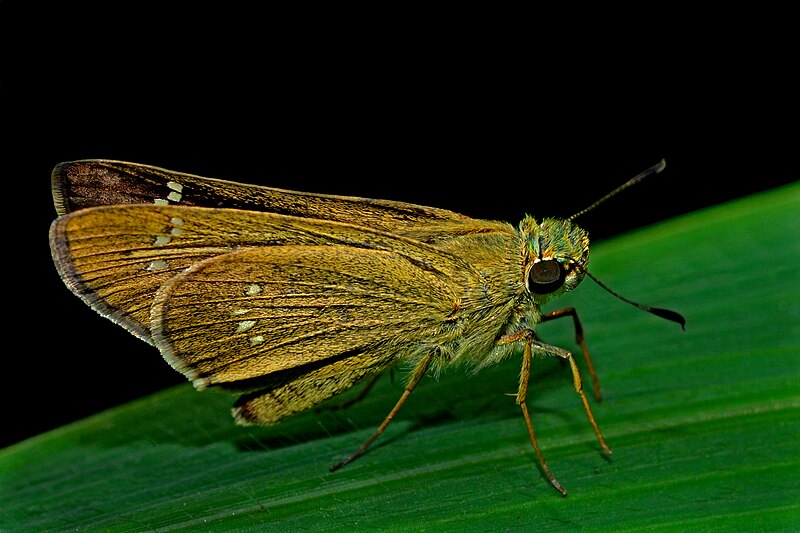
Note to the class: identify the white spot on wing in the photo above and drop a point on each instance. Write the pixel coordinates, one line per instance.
(256, 340)
(161, 240)
(244, 325)
(160, 201)
(176, 231)
(175, 186)
(158, 264)
(176, 221)
(174, 196)
(253, 289)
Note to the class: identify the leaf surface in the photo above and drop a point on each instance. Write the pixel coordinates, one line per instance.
(705, 424)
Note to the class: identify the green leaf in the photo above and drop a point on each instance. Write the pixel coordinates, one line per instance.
(703, 423)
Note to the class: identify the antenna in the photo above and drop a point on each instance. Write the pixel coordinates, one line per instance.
(658, 311)
(655, 169)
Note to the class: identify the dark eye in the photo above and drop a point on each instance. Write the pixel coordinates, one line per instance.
(545, 277)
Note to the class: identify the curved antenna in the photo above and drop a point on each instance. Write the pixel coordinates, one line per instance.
(655, 169)
(658, 311)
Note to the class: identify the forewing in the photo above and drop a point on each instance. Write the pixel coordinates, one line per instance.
(116, 257)
(90, 183)
(323, 316)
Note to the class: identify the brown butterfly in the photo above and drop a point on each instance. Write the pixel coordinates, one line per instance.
(291, 298)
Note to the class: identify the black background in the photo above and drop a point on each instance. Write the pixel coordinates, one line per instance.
(493, 119)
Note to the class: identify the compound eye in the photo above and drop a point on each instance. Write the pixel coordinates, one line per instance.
(545, 277)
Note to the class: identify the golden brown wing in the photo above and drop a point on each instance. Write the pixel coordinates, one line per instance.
(116, 257)
(299, 324)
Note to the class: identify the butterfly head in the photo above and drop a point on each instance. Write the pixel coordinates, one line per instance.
(555, 256)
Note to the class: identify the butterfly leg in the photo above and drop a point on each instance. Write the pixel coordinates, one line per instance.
(576, 379)
(529, 337)
(522, 393)
(570, 311)
(419, 371)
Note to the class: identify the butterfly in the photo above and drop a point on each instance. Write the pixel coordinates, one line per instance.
(290, 298)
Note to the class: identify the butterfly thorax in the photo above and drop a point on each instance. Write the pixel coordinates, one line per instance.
(516, 272)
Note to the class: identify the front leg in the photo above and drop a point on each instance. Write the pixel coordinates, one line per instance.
(570, 311)
(528, 336)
